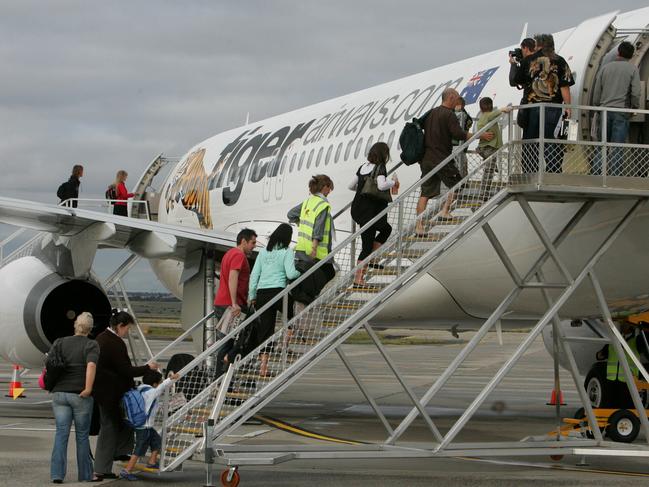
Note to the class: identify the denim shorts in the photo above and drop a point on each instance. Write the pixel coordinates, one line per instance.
(145, 438)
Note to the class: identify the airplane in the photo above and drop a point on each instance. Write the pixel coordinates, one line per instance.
(251, 175)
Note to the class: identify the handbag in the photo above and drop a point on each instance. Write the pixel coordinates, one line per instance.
(371, 187)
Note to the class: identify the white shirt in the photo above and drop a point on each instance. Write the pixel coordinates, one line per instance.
(382, 182)
(150, 395)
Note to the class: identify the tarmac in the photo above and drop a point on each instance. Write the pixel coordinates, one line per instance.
(326, 402)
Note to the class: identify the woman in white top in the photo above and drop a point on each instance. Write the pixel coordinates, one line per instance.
(365, 207)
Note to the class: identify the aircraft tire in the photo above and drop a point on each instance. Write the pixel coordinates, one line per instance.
(598, 388)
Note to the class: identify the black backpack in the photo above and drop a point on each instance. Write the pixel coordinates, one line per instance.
(54, 366)
(411, 140)
(111, 193)
(62, 192)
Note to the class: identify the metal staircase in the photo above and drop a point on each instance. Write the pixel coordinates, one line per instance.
(211, 406)
(340, 310)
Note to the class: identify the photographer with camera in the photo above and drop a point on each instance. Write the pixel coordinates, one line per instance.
(516, 57)
(546, 78)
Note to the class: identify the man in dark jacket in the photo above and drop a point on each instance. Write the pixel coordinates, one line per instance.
(440, 129)
(70, 189)
(114, 377)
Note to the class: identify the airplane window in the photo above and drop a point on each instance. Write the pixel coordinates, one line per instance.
(357, 152)
(292, 163)
(391, 139)
(369, 144)
(338, 151)
(299, 166)
(349, 149)
(328, 156)
(308, 162)
(317, 160)
(283, 166)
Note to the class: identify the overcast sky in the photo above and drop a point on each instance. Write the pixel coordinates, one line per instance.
(110, 84)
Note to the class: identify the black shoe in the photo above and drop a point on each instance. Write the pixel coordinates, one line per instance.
(122, 458)
(57, 481)
(107, 476)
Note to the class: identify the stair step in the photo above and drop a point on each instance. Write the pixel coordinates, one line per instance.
(307, 342)
(187, 429)
(352, 304)
(411, 254)
(369, 288)
(199, 411)
(429, 237)
(387, 271)
(238, 395)
(455, 220)
(469, 204)
(290, 357)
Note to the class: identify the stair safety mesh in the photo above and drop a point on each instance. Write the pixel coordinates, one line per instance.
(334, 313)
(341, 308)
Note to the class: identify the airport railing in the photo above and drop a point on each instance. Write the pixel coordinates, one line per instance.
(106, 205)
(585, 144)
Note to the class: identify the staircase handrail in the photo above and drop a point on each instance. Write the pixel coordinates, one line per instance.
(253, 317)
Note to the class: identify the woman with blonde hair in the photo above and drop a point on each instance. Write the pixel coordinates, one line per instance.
(122, 194)
(72, 400)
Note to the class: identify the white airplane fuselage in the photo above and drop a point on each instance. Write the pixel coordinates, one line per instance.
(252, 175)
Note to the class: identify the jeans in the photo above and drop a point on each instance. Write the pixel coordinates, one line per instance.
(617, 130)
(553, 153)
(69, 406)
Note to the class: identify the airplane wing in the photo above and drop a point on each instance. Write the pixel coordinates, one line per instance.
(83, 231)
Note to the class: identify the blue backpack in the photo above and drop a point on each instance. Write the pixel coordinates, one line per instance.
(133, 410)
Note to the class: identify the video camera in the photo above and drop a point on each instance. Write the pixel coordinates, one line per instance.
(517, 54)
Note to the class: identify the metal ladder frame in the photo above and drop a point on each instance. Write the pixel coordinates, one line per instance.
(236, 455)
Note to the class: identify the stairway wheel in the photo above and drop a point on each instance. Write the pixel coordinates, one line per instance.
(233, 475)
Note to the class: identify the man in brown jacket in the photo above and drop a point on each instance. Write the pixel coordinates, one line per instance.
(440, 128)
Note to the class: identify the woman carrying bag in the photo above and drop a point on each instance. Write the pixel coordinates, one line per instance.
(372, 196)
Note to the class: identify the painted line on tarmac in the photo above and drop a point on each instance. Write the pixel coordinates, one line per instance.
(8, 426)
(290, 428)
(549, 466)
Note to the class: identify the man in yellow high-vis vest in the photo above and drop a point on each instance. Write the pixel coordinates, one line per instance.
(614, 371)
(315, 234)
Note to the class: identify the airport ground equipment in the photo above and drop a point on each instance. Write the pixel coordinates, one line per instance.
(522, 179)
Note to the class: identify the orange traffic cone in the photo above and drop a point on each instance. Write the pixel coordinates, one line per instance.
(553, 398)
(15, 386)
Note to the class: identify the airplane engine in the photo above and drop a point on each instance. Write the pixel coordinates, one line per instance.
(37, 306)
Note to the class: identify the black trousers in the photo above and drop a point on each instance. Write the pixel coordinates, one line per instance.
(120, 210)
(266, 323)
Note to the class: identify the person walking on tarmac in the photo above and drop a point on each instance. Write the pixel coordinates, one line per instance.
(315, 237)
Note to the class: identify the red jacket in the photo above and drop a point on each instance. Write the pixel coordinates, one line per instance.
(122, 194)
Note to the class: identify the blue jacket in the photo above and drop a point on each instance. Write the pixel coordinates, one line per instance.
(272, 269)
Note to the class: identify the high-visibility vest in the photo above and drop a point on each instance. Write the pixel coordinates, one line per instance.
(311, 208)
(613, 369)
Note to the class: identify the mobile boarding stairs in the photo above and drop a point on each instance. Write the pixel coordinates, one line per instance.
(214, 407)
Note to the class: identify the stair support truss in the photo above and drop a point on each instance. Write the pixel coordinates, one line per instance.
(227, 398)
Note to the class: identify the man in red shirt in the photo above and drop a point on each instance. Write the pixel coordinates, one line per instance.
(233, 284)
(235, 274)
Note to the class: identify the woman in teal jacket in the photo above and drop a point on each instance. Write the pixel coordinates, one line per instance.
(274, 267)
